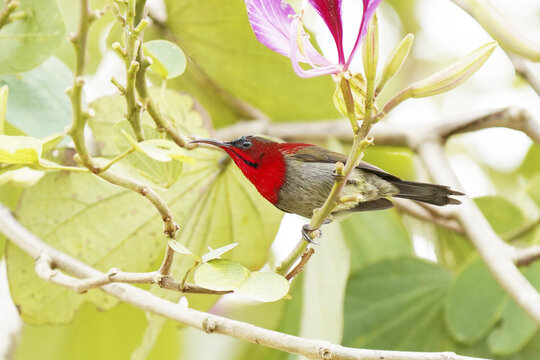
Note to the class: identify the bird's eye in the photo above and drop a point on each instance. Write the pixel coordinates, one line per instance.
(246, 144)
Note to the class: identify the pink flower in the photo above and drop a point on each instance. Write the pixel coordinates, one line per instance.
(279, 27)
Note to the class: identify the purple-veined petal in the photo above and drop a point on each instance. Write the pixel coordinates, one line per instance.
(369, 9)
(271, 22)
(330, 11)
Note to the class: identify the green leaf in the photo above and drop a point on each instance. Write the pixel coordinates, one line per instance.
(475, 303)
(181, 249)
(23, 177)
(221, 274)
(117, 332)
(19, 149)
(534, 188)
(502, 215)
(229, 64)
(4, 91)
(373, 236)
(529, 166)
(325, 279)
(214, 254)
(516, 328)
(28, 42)
(168, 60)
(264, 286)
(37, 103)
(396, 304)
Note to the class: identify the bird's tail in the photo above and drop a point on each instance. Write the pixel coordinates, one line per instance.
(429, 193)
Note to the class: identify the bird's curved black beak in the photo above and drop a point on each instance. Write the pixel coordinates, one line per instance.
(214, 142)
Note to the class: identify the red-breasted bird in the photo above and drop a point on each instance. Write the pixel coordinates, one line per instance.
(297, 178)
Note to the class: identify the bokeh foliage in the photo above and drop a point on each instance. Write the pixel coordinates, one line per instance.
(365, 287)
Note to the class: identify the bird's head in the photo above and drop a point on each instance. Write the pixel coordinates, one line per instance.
(248, 152)
(261, 160)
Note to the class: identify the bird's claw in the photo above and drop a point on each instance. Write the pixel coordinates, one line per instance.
(305, 234)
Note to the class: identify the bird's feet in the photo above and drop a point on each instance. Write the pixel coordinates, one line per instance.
(306, 230)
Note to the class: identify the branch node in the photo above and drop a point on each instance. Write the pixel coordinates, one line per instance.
(325, 353)
(209, 325)
(112, 272)
(144, 190)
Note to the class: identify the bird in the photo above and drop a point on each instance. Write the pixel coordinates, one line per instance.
(298, 177)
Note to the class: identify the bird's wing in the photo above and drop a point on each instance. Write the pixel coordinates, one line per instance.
(319, 154)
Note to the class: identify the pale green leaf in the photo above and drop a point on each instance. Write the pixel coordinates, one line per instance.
(475, 303)
(117, 332)
(162, 172)
(181, 249)
(516, 328)
(534, 188)
(502, 215)
(214, 254)
(23, 177)
(19, 149)
(229, 64)
(168, 60)
(37, 104)
(4, 91)
(28, 42)
(373, 236)
(396, 304)
(164, 150)
(221, 275)
(325, 279)
(529, 167)
(264, 286)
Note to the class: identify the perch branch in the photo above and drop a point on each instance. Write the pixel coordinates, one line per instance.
(315, 349)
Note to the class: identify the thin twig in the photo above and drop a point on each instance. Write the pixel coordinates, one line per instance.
(47, 270)
(301, 264)
(524, 70)
(146, 301)
(419, 212)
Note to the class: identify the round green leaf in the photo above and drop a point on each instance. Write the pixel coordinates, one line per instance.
(168, 60)
(502, 215)
(221, 275)
(264, 286)
(37, 103)
(474, 304)
(516, 328)
(232, 66)
(28, 42)
(396, 304)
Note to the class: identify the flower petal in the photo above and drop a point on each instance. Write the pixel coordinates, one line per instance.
(271, 22)
(369, 9)
(330, 11)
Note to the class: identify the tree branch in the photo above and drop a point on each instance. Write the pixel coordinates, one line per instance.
(489, 245)
(146, 301)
